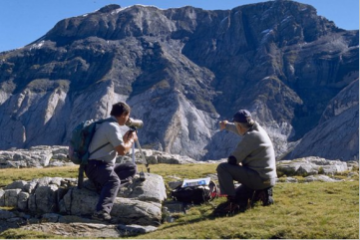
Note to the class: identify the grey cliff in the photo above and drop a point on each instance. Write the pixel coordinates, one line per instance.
(182, 70)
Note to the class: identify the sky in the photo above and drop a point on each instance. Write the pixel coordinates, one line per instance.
(24, 21)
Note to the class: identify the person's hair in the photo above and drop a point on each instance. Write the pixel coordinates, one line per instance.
(249, 124)
(120, 108)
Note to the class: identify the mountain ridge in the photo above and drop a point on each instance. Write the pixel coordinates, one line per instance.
(181, 70)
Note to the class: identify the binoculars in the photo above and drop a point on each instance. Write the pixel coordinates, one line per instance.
(134, 123)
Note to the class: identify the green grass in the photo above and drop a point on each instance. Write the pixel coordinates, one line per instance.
(301, 210)
(9, 175)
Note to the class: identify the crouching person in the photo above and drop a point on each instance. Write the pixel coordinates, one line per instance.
(252, 164)
(101, 169)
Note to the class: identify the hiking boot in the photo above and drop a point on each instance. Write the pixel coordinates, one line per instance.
(264, 195)
(230, 207)
(126, 182)
(227, 208)
(101, 216)
(243, 196)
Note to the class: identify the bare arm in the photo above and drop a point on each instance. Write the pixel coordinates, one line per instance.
(226, 125)
(223, 124)
(129, 138)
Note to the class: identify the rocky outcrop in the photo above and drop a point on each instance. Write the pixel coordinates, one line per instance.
(89, 230)
(137, 203)
(56, 156)
(311, 166)
(36, 156)
(182, 70)
(68, 225)
(299, 166)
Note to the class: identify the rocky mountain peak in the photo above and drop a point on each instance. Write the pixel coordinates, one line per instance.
(109, 8)
(181, 70)
(287, 20)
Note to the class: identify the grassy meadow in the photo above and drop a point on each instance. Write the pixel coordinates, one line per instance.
(301, 210)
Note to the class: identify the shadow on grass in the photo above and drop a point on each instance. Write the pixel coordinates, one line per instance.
(204, 215)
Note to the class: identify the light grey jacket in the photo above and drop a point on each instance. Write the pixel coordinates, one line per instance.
(255, 151)
(106, 132)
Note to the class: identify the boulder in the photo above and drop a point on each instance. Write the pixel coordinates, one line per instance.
(17, 184)
(11, 197)
(23, 199)
(78, 201)
(129, 211)
(311, 166)
(45, 198)
(150, 190)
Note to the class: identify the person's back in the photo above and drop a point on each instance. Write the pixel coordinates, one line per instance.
(262, 155)
(108, 134)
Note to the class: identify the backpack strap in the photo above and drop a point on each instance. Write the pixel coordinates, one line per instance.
(99, 148)
(99, 122)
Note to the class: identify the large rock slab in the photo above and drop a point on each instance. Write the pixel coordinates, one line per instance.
(129, 211)
(311, 166)
(89, 230)
(150, 190)
(320, 178)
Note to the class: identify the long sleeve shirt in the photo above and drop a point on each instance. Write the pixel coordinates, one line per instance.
(255, 151)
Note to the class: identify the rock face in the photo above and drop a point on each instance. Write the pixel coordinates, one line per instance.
(182, 70)
(137, 203)
(343, 110)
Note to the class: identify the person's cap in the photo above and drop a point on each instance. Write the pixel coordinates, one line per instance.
(242, 116)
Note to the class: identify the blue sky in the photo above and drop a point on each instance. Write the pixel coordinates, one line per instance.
(24, 21)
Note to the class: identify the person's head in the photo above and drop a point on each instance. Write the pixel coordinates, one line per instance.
(243, 121)
(121, 111)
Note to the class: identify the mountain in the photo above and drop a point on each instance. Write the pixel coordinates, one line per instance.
(182, 70)
(337, 125)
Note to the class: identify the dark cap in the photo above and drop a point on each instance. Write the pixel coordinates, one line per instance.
(242, 116)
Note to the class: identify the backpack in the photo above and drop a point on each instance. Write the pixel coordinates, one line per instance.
(80, 141)
(195, 191)
(81, 138)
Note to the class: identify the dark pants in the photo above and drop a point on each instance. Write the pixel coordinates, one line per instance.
(249, 178)
(107, 178)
